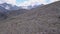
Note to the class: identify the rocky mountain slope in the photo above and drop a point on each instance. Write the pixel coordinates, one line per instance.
(9, 14)
(3, 13)
(43, 20)
(17, 12)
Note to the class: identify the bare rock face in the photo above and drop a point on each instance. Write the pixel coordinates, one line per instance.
(43, 20)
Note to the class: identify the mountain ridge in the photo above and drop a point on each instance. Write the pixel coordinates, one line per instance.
(41, 20)
(9, 6)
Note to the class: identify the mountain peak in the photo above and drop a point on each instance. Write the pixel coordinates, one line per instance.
(9, 6)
